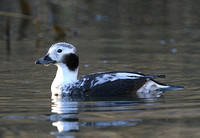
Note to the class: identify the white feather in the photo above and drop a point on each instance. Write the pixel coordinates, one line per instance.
(113, 77)
(151, 86)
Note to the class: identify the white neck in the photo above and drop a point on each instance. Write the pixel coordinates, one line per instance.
(64, 76)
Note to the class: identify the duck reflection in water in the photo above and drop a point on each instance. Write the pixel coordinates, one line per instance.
(67, 111)
(64, 115)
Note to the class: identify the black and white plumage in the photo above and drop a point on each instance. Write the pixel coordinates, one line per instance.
(65, 57)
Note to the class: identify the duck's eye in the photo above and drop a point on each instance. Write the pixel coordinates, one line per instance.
(59, 50)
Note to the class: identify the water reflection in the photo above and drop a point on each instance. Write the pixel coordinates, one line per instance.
(66, 112)
(63, 117)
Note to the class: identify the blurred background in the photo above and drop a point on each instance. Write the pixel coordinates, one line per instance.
(129, 21)
(149, 36)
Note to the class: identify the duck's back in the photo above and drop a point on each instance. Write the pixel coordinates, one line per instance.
(110, 83)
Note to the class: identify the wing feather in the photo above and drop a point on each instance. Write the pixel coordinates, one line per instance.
(113, 83)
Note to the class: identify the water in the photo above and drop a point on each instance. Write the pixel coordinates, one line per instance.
(149, 43)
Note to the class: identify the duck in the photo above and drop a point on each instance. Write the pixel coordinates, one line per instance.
(101, 84)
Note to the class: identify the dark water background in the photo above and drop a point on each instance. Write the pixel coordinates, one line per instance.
(150, 36)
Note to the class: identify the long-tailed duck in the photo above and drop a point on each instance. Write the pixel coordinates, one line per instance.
(65, 57)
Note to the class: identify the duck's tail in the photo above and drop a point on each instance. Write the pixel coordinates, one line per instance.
(165, 87)
(153, 85)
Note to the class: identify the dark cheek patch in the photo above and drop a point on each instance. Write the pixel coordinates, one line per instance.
(72, 61)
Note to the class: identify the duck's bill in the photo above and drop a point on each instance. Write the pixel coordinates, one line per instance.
(46, 60)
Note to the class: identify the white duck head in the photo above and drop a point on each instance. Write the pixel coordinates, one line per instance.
(65, 57)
